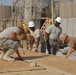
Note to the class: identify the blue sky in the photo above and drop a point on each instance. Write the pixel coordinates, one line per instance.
(6, 2)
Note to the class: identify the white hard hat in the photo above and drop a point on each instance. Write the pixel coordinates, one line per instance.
(31, 24)
(58, 19)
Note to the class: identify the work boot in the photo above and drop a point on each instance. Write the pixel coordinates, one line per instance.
(1, 55)
(8, 58)
(7, 55)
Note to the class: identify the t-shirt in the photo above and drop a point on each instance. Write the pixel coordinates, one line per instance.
(72, 43)
(53, 31)
(35, 34)
(6, 33)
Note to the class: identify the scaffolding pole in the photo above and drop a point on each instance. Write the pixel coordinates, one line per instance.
(52, 9)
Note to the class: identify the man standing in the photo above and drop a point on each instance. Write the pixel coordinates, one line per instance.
(9, 41)
(35, 33)
(52, 35)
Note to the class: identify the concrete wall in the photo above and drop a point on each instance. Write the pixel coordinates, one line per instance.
(69, 26)
(68, 9)
(68, 14)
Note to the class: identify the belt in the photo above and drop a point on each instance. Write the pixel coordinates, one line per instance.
(54, 40)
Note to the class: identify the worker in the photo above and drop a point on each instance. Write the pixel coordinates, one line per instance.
(70, 50)
(9, 41)
(52, 33)
(36, 34)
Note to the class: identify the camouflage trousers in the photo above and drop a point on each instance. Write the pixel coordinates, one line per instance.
(52, 46)
(6, 44)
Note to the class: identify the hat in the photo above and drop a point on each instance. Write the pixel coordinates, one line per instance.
(24, 27)
(62, 37)
(58, 19)
(31, 24)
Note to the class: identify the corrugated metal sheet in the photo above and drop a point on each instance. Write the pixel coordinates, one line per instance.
(67, 9)
(69, 26)
(5, 12)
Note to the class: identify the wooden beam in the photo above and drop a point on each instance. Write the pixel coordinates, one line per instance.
(41, 18)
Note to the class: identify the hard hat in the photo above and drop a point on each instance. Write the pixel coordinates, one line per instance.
(24, 27)
(62, 37)
(58, 19)
(31, 24)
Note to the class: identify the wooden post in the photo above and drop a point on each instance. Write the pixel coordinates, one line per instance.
(52, 10)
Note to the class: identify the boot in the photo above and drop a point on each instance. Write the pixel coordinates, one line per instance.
(1, 55)
(7, 57)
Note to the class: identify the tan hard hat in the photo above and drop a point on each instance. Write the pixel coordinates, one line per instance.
(62, 37)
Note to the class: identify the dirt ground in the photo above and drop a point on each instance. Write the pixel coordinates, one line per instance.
(38, 64)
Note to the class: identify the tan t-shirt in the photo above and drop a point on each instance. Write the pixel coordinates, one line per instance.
(72, 43)
(35, 34)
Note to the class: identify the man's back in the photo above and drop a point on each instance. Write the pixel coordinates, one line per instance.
(6, 33)
(72, 42)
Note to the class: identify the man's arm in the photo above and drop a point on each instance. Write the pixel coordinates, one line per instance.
(38, 40)
(17, 52)
(13, 36)
(19, 56)
(46, 36)
(69, 52)
(28, 37)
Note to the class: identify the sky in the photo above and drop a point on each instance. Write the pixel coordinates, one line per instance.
(6, 2)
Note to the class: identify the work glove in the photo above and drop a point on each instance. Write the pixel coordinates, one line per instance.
(19, 58)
